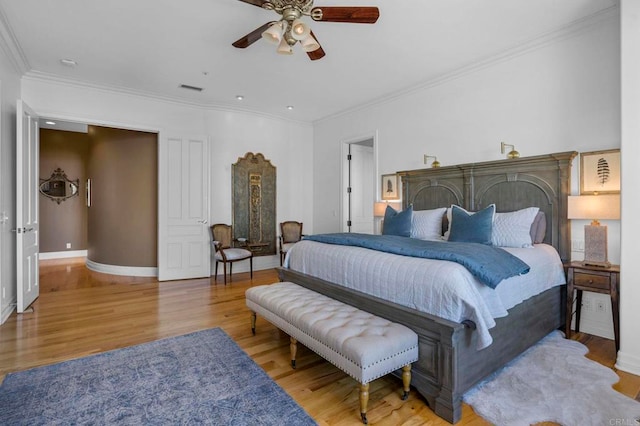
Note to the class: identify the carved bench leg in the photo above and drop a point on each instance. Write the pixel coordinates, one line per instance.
(364, 401)
(253, 323)
(406, 381)
(293, 347)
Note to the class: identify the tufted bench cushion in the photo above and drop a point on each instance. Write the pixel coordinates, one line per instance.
(363, 345)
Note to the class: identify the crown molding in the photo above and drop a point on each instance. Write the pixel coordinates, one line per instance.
(39, 76)
(574, 28)
(9, 44)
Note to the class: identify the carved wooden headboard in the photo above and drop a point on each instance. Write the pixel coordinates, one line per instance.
(542, 181)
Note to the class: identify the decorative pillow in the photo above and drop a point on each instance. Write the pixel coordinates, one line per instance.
(539, 228)
(471, 227)
(513, 229)
(427, 224)
(397, 223)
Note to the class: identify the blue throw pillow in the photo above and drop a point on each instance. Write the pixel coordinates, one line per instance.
(397, 223)
(472, 227)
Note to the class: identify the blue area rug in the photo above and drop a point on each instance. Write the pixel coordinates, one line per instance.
(199, 378)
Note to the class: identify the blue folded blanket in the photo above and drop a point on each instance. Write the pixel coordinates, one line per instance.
(489, 264)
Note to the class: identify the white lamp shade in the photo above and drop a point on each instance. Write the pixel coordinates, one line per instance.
(594, 207)
(273, 34)
(284, 48)
(310, 44)
(299, 30)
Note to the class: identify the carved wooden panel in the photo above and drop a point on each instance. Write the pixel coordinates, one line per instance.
(254, 203)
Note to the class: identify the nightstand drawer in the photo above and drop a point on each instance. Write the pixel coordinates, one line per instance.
(591, 280)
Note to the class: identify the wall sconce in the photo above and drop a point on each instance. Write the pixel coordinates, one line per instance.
(511, 154)
(594, 207)
(435, 163)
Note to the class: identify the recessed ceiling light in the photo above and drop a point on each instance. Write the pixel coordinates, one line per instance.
(50, 123)
(289, 107)
(68, 62)
(239, 97)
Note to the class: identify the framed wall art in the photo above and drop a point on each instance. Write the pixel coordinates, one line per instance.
(600, 172)
(390, 188)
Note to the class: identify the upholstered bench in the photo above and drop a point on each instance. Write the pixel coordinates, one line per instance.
(361, 344)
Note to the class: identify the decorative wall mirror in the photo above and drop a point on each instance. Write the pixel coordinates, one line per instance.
(59, 187)
(254, 203)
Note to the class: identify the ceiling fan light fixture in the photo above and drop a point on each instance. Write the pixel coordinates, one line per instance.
(273, 34)
(299, 29)
(310, 44)
(284, 48)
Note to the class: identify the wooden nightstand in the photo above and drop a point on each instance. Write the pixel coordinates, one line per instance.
(598, 280)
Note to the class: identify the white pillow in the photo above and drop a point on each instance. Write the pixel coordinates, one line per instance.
(427, 224)
(513, 229)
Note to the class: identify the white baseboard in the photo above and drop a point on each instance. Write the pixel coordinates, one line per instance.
(62, 254)
(628, 363)
(132, 271)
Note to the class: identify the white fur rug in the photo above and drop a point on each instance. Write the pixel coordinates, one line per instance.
(553, 381)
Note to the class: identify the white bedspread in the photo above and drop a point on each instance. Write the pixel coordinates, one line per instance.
(442, 288)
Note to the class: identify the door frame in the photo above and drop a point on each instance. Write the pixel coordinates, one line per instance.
(123, 126)
(344, 151)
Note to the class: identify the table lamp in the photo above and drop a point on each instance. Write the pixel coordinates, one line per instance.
(594, 207)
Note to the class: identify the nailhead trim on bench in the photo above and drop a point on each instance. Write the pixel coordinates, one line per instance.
(305, 309)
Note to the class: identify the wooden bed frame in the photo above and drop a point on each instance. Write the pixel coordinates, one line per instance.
(449, 363)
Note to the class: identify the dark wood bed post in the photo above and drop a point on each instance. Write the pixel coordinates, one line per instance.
(449, 362)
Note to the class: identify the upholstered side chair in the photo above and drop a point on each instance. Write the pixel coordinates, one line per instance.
(225, 250)
(290, 233)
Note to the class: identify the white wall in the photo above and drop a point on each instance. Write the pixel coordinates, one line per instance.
(287, 144)
(9, 93)
(562, 95)
(629, 355)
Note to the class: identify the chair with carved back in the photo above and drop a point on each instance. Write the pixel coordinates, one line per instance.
(225, 250)
(290, 233)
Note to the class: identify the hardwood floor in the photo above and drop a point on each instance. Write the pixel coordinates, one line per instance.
(80, 312)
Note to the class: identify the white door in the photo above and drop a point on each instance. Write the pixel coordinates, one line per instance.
(27, 227)
(360, 197)
(183, 202)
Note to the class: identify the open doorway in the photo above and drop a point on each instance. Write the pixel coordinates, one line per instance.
(358, 185)
(112, 217)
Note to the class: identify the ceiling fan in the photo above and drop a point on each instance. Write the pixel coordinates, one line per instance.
(290, 29)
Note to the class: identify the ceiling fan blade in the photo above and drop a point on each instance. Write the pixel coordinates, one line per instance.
(318, 53)
(357, 14)
(258, 3)
(252, 37)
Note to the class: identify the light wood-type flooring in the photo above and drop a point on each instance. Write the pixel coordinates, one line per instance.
(80, 312)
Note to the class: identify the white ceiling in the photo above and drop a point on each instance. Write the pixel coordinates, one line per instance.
(153, 46)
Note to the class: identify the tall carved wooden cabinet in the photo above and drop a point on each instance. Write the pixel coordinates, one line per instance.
(254, 203)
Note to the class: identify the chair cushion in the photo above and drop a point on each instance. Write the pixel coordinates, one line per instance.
(234, 254)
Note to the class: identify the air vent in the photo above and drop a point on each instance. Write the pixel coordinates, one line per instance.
(186, 86)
